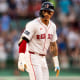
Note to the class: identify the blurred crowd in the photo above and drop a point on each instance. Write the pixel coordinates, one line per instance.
(14, 14)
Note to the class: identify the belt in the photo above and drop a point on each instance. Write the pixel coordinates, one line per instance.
(35, 53)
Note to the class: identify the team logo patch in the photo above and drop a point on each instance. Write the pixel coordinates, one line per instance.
(27, 32)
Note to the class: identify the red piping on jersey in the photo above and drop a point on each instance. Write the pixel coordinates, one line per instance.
(49, 27)
(32, 67)
(22, 46)
(45, 39)
(45, 30)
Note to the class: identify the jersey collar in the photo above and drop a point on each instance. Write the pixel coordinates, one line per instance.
(43, 23)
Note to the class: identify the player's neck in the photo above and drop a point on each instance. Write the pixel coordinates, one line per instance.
(46, 22)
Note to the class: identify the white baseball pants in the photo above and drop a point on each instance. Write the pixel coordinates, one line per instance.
(37, 67)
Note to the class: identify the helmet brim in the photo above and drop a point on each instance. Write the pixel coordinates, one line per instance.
(46, 9)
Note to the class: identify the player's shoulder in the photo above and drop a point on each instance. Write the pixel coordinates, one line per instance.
(32, 22)
(52, 23)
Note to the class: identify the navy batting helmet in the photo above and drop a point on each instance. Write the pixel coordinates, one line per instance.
(46, 6)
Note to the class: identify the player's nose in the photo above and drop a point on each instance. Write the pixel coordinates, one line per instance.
(46, 13)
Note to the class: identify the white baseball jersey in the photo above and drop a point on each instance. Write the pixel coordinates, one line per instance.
(39, 35)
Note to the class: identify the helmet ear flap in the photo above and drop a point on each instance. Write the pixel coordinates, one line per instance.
(40, 13)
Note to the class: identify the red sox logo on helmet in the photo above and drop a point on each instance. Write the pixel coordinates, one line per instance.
(47, 6)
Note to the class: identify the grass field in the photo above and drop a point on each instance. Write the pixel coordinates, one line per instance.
(8, 74)
(51, 78)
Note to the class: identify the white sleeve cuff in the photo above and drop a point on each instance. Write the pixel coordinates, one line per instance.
(55, 60)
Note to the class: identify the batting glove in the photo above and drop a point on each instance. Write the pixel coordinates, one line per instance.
(21, 62)
(56, 64)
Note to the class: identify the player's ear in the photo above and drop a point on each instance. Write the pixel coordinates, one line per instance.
(52, 13)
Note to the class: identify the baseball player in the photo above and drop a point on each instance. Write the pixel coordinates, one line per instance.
(35, 40)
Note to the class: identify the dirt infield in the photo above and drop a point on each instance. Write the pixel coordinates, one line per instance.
(51, 78)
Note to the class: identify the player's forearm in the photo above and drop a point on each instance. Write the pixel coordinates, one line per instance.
(54, 53)
(53, 49)
(22, 46)
(21, 60)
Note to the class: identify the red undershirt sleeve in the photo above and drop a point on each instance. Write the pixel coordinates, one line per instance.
(22, 46)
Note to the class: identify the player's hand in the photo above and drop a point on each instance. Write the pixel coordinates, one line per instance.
(21, 62)
(57, 70)
(20, 66)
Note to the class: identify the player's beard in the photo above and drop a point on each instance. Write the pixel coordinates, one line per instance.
(46, 19)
